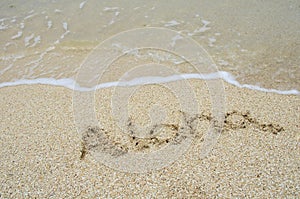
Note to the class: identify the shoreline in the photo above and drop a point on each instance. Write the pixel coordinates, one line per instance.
(73, 85)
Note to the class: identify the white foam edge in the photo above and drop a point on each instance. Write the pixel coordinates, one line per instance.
(81, 5)
(72, 84)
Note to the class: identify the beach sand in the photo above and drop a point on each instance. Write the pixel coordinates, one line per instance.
(44, 156)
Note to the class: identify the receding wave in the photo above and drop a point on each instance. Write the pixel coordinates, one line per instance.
(72, 84)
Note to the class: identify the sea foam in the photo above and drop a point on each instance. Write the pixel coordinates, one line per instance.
(72, 84)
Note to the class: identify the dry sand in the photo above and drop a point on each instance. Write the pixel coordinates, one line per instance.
(42, 155)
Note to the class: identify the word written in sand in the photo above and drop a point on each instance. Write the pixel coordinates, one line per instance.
(96, 139)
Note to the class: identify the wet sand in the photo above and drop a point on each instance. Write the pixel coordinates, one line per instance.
(43, 155)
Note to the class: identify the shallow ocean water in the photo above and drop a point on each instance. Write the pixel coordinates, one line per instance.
(252, 42)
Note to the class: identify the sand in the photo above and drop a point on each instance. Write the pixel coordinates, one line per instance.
(44, 156)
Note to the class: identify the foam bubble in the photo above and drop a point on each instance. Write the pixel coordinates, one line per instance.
(110, 9)
(36, 41)
(65, 26)
(81, 5)
(57, 11)
(201, 29)
(3, 26)
(211, 40)
(172, 23)
(174, 39)
(27, 39)
(18, 35)
(6, 69)
(22, 25)
(49, 23)
(30, 16)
